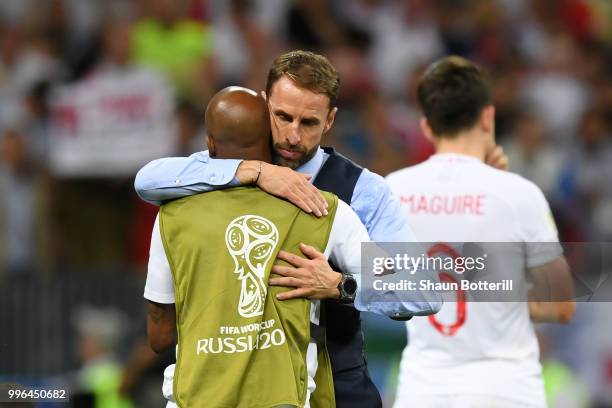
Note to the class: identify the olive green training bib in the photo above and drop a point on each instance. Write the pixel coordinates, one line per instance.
(238, 346)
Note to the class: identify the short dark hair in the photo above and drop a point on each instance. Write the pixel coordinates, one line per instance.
(308, 70)
(452, 93)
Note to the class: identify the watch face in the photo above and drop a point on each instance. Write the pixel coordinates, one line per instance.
(349, 285)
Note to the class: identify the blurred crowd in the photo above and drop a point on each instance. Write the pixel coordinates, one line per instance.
(90, 90)
(68, 170)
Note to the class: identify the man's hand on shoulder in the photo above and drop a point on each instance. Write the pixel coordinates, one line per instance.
(285, 183)
(311, 277)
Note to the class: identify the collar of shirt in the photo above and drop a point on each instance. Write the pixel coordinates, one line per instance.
(455, 158)
(313, 166)
(202, 156)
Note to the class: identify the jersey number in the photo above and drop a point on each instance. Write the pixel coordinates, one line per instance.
(449, 329)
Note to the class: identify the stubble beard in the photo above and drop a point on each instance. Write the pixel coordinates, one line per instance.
(293, 164)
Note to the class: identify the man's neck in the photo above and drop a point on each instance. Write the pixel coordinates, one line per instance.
(467, 144)
(313, 165)
(243, 154)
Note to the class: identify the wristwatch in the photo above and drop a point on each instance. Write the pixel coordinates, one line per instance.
(347, 288)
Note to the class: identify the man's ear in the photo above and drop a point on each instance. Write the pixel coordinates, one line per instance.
(426, 129)
(263, 95)
(487, 119)
(331, 116)
(210, 142)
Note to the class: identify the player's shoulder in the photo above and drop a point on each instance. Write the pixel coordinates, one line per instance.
(409, 172)
(512, 183)
(412, 175)
(519, 193)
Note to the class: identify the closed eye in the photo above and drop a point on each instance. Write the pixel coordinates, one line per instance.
(310, 122)
(285, 117)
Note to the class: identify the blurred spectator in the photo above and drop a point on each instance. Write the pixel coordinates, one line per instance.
(555, 92)
(535, 22)
(562, 386)
(589, 171)
(99, 332)
(506, 93)
(404, 36)
(17, 205)
(13, 10)
(604, 100)
(369, 127)
(10, 48)
(405, 120)
(602, 15)
(242, 47)
(386, 153)
(190, 129)
(36, 129)
(140, 378)
(26, 58)
(349, 133)
(493, 43)
(311, 25)
(166, 40)
(116, 46)
(531, 154)
(457, 27)
(366, 134)
(585, 346)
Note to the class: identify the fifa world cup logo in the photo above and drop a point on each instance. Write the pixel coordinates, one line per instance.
(251, 241)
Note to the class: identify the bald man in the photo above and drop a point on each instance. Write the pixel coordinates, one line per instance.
(210, 261)
(238, 125)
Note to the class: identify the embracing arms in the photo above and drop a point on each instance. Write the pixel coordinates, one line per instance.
(175, 177)
(313, 277)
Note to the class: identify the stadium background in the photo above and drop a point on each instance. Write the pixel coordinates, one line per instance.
(90, 90)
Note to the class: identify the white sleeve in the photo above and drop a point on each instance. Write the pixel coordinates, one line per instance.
(345, 238)
(538, 228)
(344, 250)
(159, 287)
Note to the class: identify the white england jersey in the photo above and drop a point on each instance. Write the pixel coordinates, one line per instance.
(469, 348)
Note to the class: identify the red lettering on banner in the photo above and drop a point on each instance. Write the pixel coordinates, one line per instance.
(66, 117)
(467, 204)
(128, 107)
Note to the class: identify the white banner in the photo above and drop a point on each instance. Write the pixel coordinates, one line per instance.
(111, 124)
